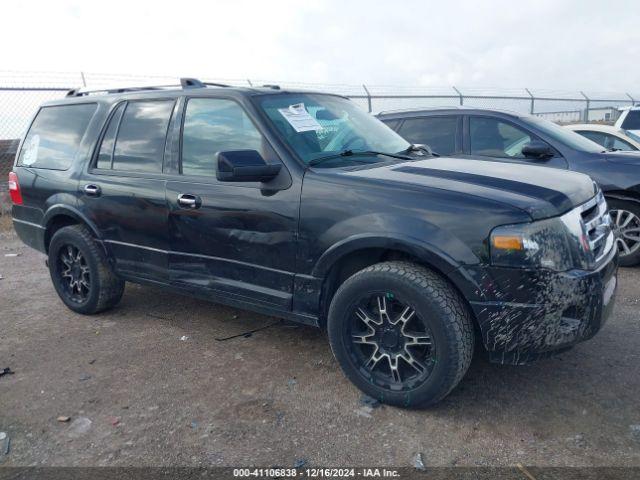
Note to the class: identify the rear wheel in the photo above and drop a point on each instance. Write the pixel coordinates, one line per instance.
(81, 273)
(626, 225)
(401, 333)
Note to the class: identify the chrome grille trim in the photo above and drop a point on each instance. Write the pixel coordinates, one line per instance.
(597, 228)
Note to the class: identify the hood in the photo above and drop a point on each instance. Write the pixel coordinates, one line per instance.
(626, 157)
(542, 192)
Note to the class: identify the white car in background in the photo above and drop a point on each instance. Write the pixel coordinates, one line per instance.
(610, 137)
(629, 119)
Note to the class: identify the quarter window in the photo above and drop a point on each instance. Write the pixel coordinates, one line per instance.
(440, 133)
(492, 138)
(214, 125)
(55, 135)
(141, 136)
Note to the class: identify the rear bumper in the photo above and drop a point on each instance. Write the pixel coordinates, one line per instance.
(31, 234)
(537, 313)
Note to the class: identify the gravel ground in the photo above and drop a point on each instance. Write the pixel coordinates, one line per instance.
(149, 383)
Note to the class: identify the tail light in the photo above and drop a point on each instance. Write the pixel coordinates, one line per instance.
(14, 189)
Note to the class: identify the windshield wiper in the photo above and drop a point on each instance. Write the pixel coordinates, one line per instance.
(420, 148)
(351, 153)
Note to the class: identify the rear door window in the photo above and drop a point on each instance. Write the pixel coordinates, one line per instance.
(141, 136)
(55, 136)
(440, 133)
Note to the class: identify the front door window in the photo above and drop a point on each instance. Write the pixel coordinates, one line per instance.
(491, 137)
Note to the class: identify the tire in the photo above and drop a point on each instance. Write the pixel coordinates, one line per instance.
(81, 273)
(626, 224)
(440, 334)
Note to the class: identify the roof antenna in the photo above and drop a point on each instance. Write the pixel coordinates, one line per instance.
(191, 83)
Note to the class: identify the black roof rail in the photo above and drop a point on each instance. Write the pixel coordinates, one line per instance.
(80, 92)
(185, 83)
(273, 87)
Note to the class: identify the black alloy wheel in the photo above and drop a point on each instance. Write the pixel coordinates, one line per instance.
(390, 343)
(75, 275)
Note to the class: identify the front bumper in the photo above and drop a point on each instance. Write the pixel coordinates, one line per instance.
(534, 313)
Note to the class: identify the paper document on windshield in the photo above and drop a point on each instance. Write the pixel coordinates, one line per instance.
(299, 118)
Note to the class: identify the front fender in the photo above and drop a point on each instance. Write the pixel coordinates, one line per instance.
(414, 233)
(400, 242)
(426, 252)
(625, 196)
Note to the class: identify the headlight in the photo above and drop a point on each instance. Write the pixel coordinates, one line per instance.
(556, 244)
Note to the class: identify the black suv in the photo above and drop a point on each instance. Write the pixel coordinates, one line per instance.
(512, 137)
(303, 206)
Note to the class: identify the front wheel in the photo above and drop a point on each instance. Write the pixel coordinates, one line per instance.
(401, 333)
(625, 216)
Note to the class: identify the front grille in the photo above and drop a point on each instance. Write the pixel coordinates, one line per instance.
(597, 226)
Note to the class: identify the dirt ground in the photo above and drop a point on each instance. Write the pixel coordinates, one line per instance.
(149, 383)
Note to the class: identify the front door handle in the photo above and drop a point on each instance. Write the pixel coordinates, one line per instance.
(92, 190)
(187, 200)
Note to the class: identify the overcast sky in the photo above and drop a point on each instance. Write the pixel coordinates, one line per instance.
(570, 45)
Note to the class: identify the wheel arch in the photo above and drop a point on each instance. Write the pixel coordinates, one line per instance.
(59, 216)
(349, 257)
(624, 195)
(629, 254)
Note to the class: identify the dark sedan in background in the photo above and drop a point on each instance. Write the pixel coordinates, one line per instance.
(511, 137)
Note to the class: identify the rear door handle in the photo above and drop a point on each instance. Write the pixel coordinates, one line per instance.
(187, 200)
(92, 190)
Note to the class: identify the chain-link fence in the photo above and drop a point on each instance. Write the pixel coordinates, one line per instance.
(21, 93)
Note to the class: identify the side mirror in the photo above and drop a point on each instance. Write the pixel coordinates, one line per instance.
(245, 166)
(537, 150)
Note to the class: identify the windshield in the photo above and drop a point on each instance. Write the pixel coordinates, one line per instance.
(319, 125)
(564, 135)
